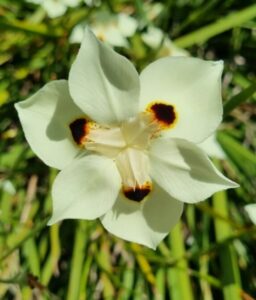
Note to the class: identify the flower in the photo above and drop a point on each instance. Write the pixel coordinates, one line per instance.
(155, 38)
(110, 28)
(56, 8)
(126, 144)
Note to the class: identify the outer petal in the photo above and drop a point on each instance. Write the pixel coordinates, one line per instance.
(185, 171)
(86, 189)
(103, 83)
(251, 211)
(212, 147)
(146, 224)
(193, 86)
(45, 119)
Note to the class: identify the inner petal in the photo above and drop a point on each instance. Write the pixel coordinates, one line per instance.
(107, 141)
(138, 130)
(133, 166)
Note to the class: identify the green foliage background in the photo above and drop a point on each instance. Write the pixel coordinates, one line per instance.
(211, 253)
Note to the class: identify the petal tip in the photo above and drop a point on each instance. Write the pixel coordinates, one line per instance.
(218, 64)
(230, 184)
(16, 105)
(250, 209)
(88, 33)
(51, 222)
(234, 185)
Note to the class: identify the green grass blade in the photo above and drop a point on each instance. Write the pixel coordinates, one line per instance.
(179, 274)
(85, 273)
(52, 261)
(228, 260)
(30, 251)
(239, 98)
(160, 293)
(128, 281)
(25, 26)
(243, 158)
(77, 262)
(225, 23)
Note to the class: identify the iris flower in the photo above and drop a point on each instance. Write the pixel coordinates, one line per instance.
(126, 144)
(110, 28)
(56, 8)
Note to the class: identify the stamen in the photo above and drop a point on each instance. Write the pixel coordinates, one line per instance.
(164, 114)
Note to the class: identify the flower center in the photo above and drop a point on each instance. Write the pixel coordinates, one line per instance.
(127, 144)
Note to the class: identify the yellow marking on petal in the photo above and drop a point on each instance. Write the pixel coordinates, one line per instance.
(101, 37)
(164, 113)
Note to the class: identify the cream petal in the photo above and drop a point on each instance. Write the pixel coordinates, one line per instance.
(146, 223)
(193, 87)
(104, 84)
(138, 131)
(107, 141)
(212, 147)
(185, 171)
(86, 189)
(251, 211)
(133, 166)
(45, 119)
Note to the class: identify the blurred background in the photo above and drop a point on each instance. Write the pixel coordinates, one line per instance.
(211, 253)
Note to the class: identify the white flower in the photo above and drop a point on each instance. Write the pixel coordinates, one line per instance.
(155, 38)
(126, 144)
(251, 211)
(56, 8)
(113, 29)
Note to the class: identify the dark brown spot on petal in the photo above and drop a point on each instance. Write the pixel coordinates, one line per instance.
(79, 130)
(163, 113)
(137, 194)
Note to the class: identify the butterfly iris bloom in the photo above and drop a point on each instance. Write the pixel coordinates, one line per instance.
(127, 144)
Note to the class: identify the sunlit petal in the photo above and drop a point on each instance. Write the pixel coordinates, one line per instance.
(185, 171)
(86, 189)
(193, 87)
(45, 118)
(147, 223)
(104, 84)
